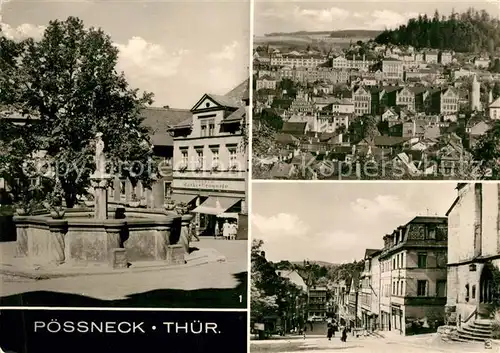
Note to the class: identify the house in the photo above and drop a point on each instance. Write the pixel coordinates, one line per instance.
(445, 58)
(494, 109)
(431, 56)
(413, 276)
(317, 308)
(265, 82)
(295, 128)
(481, 62)
(392, 69)
(210, 169)
(362, 100)
(473, 255)
(368, 308)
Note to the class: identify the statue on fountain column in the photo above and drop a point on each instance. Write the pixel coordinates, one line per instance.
(100, 159)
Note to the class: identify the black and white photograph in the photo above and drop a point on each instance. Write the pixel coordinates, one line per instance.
(376, 90)
(375, 267)
(124, 153)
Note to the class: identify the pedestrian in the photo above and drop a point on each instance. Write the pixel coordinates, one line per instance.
(234, 230)
(334, 328)
(193, 231)
(226, 229)
(329, 333)
(344, 334)
(304, 330)
(216, 231)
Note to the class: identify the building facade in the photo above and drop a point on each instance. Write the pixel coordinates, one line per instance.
(415, 256)
(473, 250)
(210, 158)
(369, 295)
(317, 303)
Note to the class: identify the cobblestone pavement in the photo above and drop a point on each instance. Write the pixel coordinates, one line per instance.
(369, 344)
(201, 286)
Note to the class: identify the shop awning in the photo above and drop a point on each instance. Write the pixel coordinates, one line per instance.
(184, 198)
(216, 205)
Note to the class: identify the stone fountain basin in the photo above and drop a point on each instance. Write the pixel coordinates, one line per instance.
(145, 234)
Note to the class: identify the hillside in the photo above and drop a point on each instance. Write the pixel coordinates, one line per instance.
(471, 31)
(348, 33)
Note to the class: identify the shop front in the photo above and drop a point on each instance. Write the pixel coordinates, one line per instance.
(213, 202)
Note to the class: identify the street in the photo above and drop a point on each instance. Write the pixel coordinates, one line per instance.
(217, 284)
(411, 344)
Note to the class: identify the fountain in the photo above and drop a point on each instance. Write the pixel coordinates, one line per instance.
(116, 235)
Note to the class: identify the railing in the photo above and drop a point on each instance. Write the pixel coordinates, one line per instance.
(474, 313)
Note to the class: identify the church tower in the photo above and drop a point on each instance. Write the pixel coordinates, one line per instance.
(475, 101)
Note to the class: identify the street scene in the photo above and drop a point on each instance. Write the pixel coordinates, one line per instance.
(124, 154)
(376, 90)
(382, 266)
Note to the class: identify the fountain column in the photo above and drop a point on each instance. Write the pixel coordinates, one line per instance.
(100, 181)
(185, 236)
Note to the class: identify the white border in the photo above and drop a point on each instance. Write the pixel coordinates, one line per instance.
(69, 308)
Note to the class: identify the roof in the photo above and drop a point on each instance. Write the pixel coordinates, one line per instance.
(240, 92)
(225, 101)
(495, 103)
(371, 252)
(297, 127)
(389, 140)
(236, 116)
(159, 120)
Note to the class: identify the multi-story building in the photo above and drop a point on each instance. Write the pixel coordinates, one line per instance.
(415, 256)
(473, 251)
(444, 101)
(210, 157)
(392, 69)
(431, 56)
(494, 109)
(369, 303)
(445, 57)
(362, 100)
(317, 303)
(405, 97)
(482, 63)
(292, 60)
(265, 82)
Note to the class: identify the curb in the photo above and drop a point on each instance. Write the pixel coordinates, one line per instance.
(46, 275)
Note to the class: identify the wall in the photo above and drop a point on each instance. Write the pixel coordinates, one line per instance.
(461, 227)
(375, 283)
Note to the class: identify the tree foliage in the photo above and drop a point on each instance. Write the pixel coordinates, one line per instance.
(471, 31)
(69, 80)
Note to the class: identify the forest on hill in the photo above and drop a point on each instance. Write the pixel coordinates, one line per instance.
(470, 31)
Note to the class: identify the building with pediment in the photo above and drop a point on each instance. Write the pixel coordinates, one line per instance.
(210, 158)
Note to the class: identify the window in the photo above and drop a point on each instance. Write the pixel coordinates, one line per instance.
(394, 263)
(402, 259)
(431, 233)
(441, 288)
(401, 289)
(167, 190)
(215, 158)
(466, 292)
(211, 128)
(422, 260)
(393, 288)
(184, 157)
(421, 288)
(199, 159)
(203, 129)
(473, 292)
(397, 261)
(122, 189)
(233, 161)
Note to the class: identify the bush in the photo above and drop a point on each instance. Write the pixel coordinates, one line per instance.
(495, 330)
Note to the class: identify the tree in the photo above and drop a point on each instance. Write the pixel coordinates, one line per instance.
(487, 153)
(69, 80)
(364, 127)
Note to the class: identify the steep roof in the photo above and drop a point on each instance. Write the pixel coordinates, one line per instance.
(240, 92)
(159, 120)
(297, 127)
(495, 103)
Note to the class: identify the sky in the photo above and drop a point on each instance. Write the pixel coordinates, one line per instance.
(178, 50)
(336, 222)
(289, 16)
